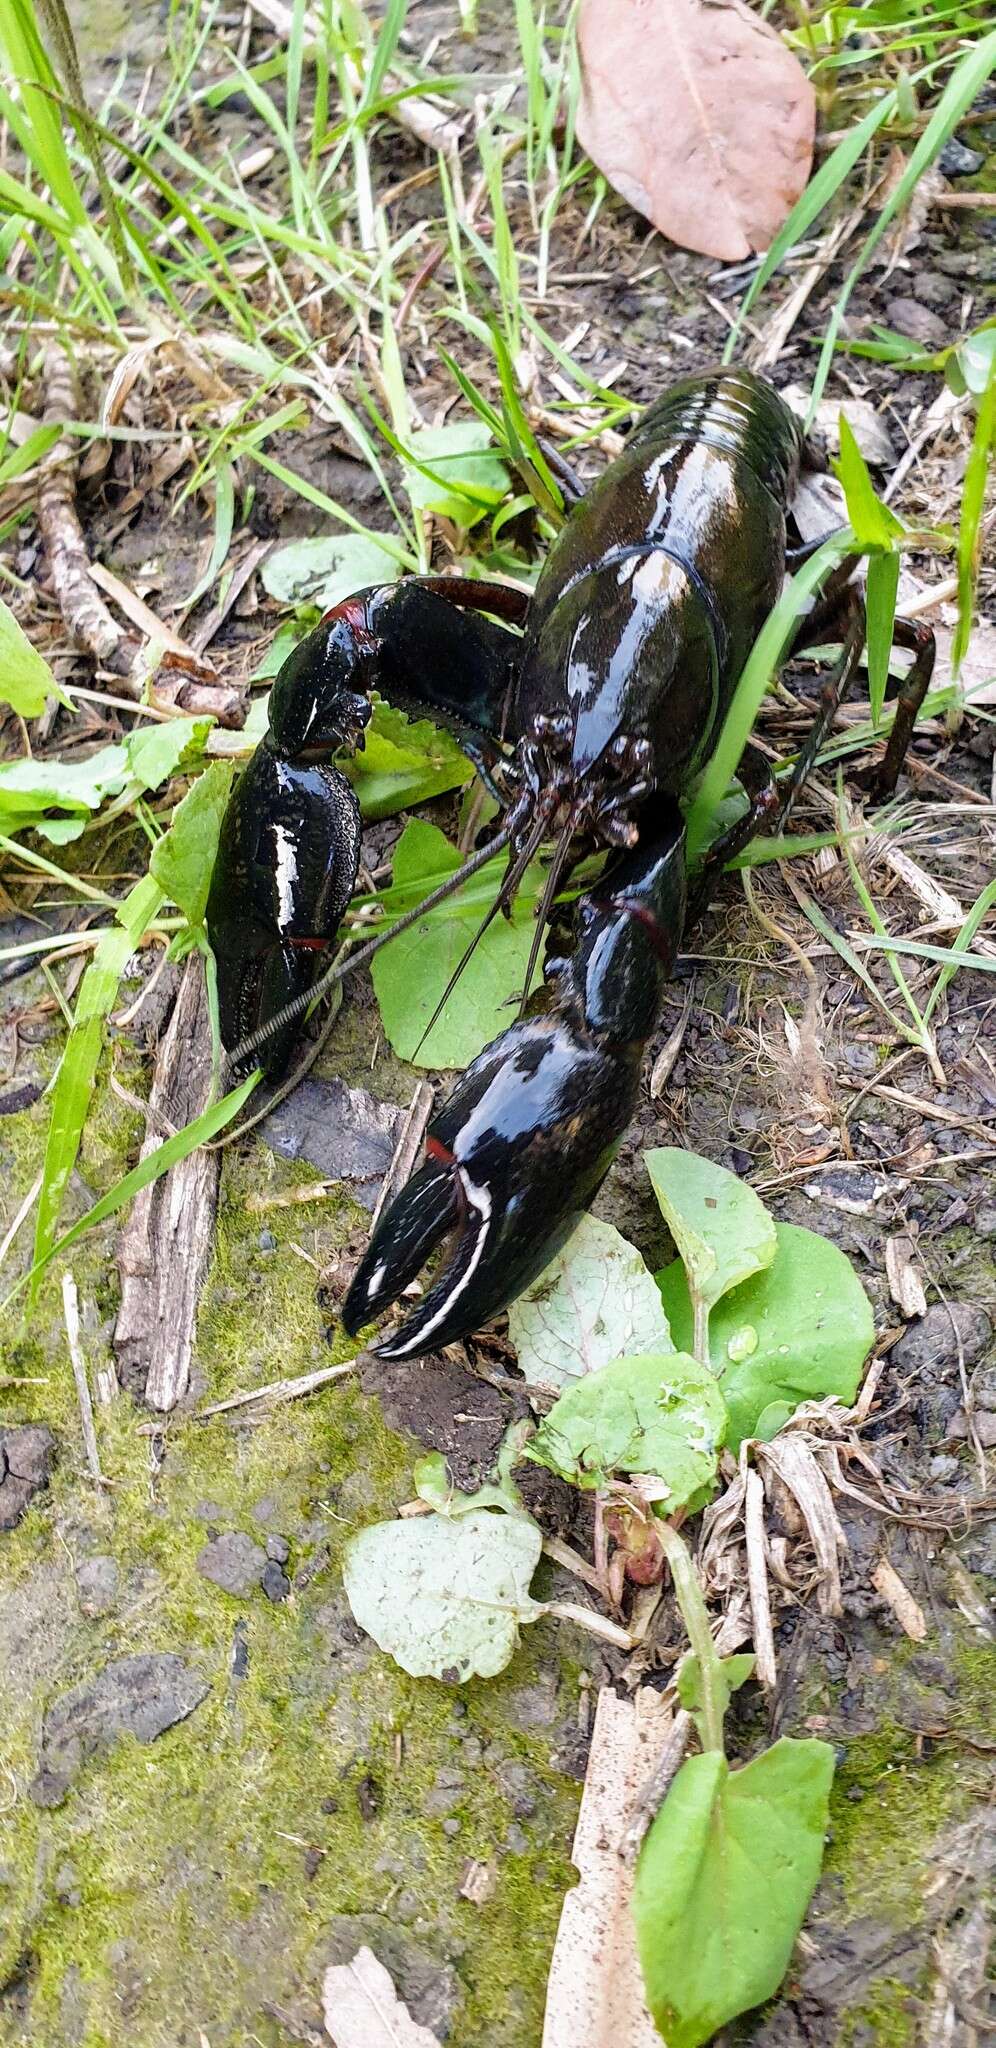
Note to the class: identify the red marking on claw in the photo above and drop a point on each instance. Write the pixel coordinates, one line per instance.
(353, 611)
(435, 1149)
(662, 946)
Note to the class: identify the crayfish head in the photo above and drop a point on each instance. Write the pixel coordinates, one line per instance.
(320, 699)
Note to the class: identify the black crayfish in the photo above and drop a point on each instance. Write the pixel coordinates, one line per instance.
(590, 726)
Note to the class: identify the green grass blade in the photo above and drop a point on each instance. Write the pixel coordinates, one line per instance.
(74, 1083)
(959, 955)
(880, 605)
(199, 1132)
(965, 82)
(761, 665)
(970, 524)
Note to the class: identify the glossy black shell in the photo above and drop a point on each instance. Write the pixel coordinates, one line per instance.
(660, 579)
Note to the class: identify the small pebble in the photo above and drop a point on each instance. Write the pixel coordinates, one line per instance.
(275, 1583)
(956, 160)
(278, 1548)
(267, 1241)
(233, 1562)
(917, 322)
(67, 1885)
(452, 1826)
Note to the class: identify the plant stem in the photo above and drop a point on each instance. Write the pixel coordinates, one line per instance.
(696, 1620)
(596, 1624)
(700, 1329)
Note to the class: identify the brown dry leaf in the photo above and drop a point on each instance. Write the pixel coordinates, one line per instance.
(595, 1991)
(908, 1612)
(363, 2010)
(699, 115)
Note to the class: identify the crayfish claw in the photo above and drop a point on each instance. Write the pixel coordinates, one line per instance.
(409, 1232)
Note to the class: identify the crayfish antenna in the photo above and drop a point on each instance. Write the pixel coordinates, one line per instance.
(545, 906)
(506, 895)
(249, 1046)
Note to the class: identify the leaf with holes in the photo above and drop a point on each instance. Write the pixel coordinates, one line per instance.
(660, 1414)
(594, 1302)
(445, 1596)
(797, 1331)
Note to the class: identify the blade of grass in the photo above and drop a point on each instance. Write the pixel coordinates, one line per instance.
(77, 1069)
(151, 1168)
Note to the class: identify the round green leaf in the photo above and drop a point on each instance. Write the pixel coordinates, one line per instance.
(721, 1228)
(594, 1302)
(723, 1882)
(445, 1597)
(800, 1330)
(661, 1414)
(25, 677)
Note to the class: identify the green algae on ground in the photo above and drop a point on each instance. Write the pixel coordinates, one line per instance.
(188, 1883)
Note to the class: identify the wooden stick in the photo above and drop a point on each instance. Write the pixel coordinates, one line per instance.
(279, 1390)
(71, 1311)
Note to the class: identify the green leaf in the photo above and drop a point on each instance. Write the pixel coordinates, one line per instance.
(728, 1674)
(660, 1414)
(156, 1163)
(880, 602)
(970, 523)
(721, 1228)
(874, 525)
(594, 1302)
(459, 476)
(324, 571)
(411, 973)
(73, 1091)
(182, 861)
(973, 363)
(445, 1597)
(434, 1485)
(798, 1331)
(25, 677)
(35, 786)
(155, 752)
(403, 762)
(723, 1881)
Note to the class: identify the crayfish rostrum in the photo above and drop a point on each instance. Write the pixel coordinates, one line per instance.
(589, 725)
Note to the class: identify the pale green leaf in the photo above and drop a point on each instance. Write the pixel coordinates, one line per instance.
(660, 1414)
(324, 571)
(728, 1674)
(721, 1227)
(723, 1882)
(155, 752)
(795, 1332)
(461, 476)
(594, 1302)
(403, 762)
(445, 1597)
(434, 1485)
